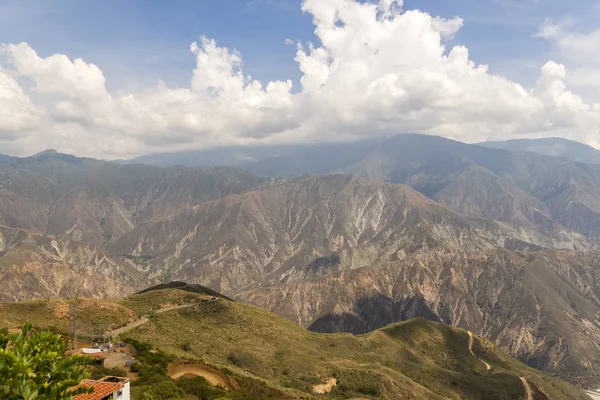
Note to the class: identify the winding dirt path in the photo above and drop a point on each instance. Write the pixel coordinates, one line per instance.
(527, 388)
(487, 366)
(212, 377)
(146, 318)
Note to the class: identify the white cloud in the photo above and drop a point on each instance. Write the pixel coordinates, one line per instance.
(58, 74)
(17, 112)
(377, 70)
(580, 51)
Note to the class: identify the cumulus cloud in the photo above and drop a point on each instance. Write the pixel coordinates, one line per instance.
(17, 112)
(579, 50)
(377, 69)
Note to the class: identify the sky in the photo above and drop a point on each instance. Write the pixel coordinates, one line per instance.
(113, 79)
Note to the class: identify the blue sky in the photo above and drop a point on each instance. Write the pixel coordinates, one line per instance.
(137, 42)
(82, 76)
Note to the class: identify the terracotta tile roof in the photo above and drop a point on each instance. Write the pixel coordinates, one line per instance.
(101, 389)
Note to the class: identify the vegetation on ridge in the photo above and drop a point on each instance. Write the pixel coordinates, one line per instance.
(273, 358)
(416, 359)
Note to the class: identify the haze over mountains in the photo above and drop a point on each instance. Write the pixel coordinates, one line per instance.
(342, 237)
(557, 147)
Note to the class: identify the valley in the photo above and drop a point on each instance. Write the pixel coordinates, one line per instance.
(336, 238)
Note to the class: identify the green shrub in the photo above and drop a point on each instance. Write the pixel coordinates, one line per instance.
(164, 391)
(200, 388)
(242, 359)
(356, 384)
(98, 372)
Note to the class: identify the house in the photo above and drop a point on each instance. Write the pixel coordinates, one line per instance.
(110, 387)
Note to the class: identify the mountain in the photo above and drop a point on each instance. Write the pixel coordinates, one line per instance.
(339, 253)
(59, 212)
(540, 307)
(97, 201)
(534, 189)
(36, 266)
(273, 358)
(501, 243)
(238, 156)
(308, 227)
(556, 147)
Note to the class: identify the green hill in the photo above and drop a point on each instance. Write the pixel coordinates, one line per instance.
(416, 359)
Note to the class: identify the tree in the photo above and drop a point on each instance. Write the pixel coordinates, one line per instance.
(33, 365)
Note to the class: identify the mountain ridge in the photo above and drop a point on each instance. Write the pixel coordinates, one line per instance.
(416, 359)
(555, 146)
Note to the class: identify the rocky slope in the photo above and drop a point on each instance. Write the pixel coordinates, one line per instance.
(305, 228)
(97, 201)
(36, 266)
(433, 165)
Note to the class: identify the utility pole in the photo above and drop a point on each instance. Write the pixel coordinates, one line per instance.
(72, 327)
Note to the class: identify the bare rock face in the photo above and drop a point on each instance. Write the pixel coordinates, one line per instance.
(34, 266)
(533, 191)
(306, 228)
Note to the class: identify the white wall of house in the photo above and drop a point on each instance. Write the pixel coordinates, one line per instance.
(124, 393)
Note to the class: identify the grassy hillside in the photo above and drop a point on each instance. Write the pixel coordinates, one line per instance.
(53, 314)
(144, 303)
(416, 359)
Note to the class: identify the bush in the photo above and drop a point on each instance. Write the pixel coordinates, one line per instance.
(200, 388)
(242, 359)
(253, 389)
(164, 391)
(151, 365)
(357, 384)
(98, 372)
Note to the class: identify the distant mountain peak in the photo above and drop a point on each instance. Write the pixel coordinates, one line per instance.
(48, 152)
(554, 147)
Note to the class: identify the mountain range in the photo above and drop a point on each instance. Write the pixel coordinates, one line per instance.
(338, 237)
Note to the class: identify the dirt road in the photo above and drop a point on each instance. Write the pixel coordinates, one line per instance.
(487, 366)
(527, 388)
(215, 379)
(145, 318)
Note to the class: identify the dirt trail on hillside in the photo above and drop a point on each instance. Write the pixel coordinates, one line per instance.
(145, 319)
(487, 366)
(594, 394)
(527, 388)
(325, 387)
(214, 378)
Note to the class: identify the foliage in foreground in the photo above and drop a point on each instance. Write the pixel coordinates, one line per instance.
(33, 365)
